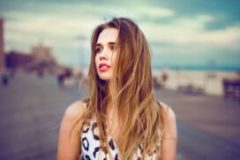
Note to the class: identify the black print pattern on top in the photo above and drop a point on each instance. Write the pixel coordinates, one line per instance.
(85, 144)
(95, 151)
(86, 127)
(94, 130)
(91, 150)
(116, 157)
(111, 144)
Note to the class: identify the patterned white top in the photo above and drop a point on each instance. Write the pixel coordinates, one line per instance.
(91, 150)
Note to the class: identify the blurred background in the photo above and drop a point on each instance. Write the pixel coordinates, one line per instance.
(45, 54)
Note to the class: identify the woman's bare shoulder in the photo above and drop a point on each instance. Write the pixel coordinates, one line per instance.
(169, 121)
(169, 136)
(170, 114)
(76, 109)
(68, 145)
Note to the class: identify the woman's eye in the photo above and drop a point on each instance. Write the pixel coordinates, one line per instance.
(112, 47)
(97, 50)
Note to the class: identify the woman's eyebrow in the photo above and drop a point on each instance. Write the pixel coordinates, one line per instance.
(111, 43)
(98, 45)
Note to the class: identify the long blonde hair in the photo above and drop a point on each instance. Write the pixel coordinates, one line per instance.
(131, 87)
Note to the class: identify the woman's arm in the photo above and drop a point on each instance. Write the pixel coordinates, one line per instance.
(169, 141)
(69, 138)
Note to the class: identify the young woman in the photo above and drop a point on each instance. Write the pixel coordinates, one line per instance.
(121, 118)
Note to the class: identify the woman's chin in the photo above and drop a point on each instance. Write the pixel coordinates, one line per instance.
(105, 76)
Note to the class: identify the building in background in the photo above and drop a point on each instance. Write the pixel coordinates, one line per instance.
(42, 53)
(2, 55)
(39, 60)
(15, 60)
(43, 60)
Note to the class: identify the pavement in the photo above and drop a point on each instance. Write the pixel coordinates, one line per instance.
(31, 109)
(208, 126)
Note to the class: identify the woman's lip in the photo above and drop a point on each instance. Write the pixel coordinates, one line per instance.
(104, 67)
(103, 64)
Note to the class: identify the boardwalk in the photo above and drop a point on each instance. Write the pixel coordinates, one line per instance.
(31, 110)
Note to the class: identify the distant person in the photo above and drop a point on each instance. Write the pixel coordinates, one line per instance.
(121, 118)
(63, 75)
(5, 78)
(60, 79)
(164, 76)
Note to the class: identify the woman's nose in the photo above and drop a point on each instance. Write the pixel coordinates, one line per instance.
(104, 54)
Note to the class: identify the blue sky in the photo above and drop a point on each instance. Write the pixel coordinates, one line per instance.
(180, 32)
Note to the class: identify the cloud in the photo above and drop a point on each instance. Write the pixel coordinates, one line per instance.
(192, 32)
(65, 22)
(67, 28)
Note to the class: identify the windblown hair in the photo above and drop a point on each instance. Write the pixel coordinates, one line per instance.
(139, 113)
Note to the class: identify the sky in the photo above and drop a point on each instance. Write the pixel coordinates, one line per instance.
(181, 33)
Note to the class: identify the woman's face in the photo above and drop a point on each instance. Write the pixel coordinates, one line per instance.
(106, 53)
